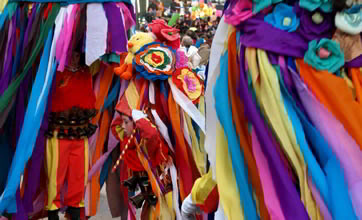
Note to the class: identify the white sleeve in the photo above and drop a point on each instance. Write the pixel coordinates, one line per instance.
(189, 209)
(137, 115)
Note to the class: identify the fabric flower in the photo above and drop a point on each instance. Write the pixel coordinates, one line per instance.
(181, 59)
(238, 11)
(165, 34)
(189, 83)
(325, 55)
(314, 25)
(312, 5)
(155, 61)
(283, 17)
(259, 5)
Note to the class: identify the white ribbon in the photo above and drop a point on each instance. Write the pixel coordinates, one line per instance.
(187, 105)
(214, 71)
(175, 194)
(96, 35)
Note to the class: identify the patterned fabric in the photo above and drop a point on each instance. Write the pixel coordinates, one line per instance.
(189, 83)
(155, 61)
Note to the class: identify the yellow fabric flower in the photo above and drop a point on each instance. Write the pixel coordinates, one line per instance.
(190, 84)
(150, 59)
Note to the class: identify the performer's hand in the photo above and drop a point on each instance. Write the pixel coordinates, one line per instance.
(137, 115)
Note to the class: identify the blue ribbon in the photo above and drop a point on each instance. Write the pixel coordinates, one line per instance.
(112, 95)
(32, 121)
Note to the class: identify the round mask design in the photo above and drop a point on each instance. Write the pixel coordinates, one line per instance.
(155, 61)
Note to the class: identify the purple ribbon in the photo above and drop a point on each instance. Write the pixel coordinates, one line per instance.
(20, 212)
(4, 81)
(259, 34)
(354, 63)
(116, 28)
(28, 28)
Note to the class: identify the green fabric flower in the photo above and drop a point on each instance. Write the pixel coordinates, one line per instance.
(259, 5)
(332, 63)
(311, 5)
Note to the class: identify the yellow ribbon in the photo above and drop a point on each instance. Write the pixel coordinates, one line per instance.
(225, 178)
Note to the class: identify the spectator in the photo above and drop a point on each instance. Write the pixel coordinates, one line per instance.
(191, 52)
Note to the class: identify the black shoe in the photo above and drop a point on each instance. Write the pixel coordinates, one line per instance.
(74, 213)
(137, 200)
(53, 215)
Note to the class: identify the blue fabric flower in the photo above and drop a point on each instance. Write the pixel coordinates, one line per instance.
(259, 5)
(332, 63)
(283, 17)
(311, 5)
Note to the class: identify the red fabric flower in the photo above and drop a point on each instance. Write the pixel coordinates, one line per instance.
(165, 34)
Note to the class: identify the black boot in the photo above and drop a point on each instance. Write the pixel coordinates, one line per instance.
(53, 215)
(131, 183)
(137, 200)
(74, 213)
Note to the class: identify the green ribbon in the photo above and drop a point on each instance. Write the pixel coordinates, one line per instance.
(11, 90)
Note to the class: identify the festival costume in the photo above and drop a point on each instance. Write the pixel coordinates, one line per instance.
(73, 107)
(292, 105)
(145, 135)
(38, 38)
(159, 71)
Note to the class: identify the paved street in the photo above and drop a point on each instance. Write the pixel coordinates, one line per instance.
(103, 212)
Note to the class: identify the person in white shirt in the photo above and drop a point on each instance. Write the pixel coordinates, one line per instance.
(191, 52)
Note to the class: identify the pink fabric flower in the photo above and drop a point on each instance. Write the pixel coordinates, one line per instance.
(238, 11)
(181, 59)
(190, 82)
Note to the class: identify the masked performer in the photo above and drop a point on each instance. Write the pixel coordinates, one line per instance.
(73, 107)
(134, 128)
